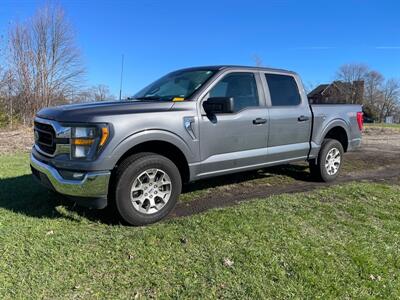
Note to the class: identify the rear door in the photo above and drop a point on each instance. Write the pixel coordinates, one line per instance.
(290, 118)
(236, 140)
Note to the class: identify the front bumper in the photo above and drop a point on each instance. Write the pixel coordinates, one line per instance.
(92, 185)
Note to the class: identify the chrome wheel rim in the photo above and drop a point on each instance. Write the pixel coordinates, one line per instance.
(151, 191)
(332, 161)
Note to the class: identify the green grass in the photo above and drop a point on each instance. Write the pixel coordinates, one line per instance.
(382, 125)
(336, 242)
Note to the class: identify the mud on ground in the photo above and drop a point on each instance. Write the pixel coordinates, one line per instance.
(377, 160)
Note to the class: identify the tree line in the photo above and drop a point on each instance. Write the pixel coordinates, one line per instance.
(381, 96)
(42, 66)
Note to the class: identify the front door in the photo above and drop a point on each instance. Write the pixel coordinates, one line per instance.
(236, 140)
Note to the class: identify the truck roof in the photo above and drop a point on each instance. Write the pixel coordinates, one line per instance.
(238, 67)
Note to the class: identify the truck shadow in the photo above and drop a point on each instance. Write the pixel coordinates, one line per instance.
(22, 195)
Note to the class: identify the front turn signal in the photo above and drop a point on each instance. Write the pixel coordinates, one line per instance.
(82, 142)
(104, 136)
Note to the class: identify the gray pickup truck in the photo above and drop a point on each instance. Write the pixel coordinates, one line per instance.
(189, 125)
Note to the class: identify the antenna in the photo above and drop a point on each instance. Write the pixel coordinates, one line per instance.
(122, 73)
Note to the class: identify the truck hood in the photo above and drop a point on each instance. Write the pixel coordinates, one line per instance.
(87, 111)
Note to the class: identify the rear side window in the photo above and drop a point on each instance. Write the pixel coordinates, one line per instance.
(283, 90)
(241, 86)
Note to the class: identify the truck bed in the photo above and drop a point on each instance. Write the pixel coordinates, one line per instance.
(329, 116)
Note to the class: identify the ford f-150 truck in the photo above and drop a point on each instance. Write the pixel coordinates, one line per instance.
(189, 125)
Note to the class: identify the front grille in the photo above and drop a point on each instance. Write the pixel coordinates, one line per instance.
(45, 137)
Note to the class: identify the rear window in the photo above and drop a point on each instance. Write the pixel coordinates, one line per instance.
(283, 90)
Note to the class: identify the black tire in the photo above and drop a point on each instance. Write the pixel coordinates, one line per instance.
(317, 166)
(126, 175)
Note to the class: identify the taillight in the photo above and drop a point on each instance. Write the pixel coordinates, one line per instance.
(360, 120)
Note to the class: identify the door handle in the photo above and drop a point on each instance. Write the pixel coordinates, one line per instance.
(303, 118)
(259, 121)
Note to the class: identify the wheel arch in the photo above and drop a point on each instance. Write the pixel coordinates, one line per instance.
(338, 130)
(160, 142)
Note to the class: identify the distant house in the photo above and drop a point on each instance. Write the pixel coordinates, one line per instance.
(389, 119)
(395, 118)
(337, 92)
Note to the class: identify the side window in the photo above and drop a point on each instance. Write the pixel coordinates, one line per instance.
(241, 86)
(283, 90)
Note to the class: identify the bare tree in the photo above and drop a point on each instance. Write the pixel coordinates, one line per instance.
(45, 60)
(352, 72)
(101, 92)
(84, 95)
(3, 112)
(7, 96)
(390, 100)
(373, 93)
(352, 78)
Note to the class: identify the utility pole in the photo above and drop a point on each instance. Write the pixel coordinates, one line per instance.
(122, 73)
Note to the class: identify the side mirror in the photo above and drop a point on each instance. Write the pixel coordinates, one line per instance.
(219, 105)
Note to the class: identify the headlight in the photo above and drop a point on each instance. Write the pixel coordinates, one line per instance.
(86, 142)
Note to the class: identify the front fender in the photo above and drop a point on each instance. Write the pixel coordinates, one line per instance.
(149, 136)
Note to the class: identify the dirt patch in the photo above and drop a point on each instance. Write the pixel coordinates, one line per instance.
(382, 141)
(16, 140)
(376, 162)
(390, 174)
(381, 137)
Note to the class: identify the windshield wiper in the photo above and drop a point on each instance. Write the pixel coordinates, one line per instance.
(153, 98)
(147, 98)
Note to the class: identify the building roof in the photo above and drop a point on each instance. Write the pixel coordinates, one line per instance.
(318, 90)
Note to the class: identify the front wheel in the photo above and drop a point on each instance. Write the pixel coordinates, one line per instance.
(147, 188)
(328, 164)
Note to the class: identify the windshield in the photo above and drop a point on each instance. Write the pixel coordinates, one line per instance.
(178, 84)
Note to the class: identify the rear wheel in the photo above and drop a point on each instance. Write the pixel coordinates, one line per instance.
(147, 188)
(328, 164)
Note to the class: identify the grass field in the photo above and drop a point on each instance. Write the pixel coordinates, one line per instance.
(336, 242)
(382, 125)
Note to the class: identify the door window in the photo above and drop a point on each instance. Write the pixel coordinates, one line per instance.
(241, 86)
(283, 90)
